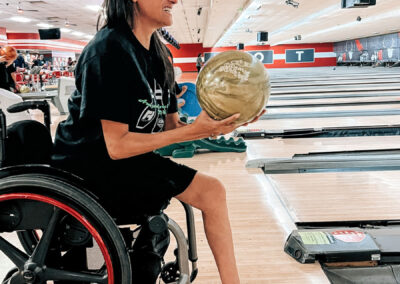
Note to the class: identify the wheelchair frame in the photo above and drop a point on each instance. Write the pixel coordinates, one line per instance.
(25, 188)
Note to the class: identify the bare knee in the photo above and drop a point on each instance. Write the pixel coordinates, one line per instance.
(205, 193)
(213, 196)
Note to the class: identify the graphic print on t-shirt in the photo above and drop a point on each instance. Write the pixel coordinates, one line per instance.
(154, 112)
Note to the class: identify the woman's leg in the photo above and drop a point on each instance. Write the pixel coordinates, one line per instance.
(208, 195)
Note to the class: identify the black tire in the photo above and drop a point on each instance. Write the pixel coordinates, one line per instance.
(70, 199)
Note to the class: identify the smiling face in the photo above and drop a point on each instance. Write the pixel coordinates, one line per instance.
(156, 13)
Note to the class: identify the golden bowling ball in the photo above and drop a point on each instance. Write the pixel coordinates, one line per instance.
(9, 53)
(233, 82)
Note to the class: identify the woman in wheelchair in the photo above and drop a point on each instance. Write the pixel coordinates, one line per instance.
(122, 110)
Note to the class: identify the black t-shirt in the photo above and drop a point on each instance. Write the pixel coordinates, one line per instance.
(6, 81)
(38, 62)
(20, 62)
(110, 87)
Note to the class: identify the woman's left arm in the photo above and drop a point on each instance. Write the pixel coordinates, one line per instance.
(173, 121)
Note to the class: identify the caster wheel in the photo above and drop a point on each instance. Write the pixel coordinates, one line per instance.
(170, 272)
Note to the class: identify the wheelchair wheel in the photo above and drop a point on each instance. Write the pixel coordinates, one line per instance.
(29, 239)
(60, 225)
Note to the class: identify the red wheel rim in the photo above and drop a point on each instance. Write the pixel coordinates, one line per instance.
(75, 214)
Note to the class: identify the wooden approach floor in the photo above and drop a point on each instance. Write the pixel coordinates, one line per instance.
(263, 208)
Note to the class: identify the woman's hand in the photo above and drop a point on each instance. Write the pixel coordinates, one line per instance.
(205, 126)
(255, 119)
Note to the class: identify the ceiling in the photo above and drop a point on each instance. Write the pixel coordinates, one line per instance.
(224, 22)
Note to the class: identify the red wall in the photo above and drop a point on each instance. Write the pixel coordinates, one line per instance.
(32, 41)
(189, 52)
(186, 56)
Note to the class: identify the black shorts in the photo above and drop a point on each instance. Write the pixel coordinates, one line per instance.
(135, 186)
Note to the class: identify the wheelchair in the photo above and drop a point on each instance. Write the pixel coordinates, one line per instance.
(54, 212)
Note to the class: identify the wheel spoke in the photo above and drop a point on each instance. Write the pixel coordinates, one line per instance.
(56, 274)
(40, 253)
(18, 257)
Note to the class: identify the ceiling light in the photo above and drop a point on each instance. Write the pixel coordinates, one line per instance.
(44, 25)
(20, 19)
(94, 8)
(77, 33)
(64, 30)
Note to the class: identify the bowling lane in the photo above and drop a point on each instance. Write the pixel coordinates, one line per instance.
(340, 196)
(286, 148)
(338, 71)
(334, 108)
(333, 196)
(343, 79)
(335, 81)
(335, 89)
(282, 124)
(361, 100)
(332, 95)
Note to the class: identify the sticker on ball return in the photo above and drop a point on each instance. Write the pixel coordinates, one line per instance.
(349, 236)
(233, 82)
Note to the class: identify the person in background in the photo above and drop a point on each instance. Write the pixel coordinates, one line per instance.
(181, 102)
(20, 61)
(28, 59)
(39, 61)
(7, 74)
(199, 62)
(70, 62)
(62, 64)
(47, 65)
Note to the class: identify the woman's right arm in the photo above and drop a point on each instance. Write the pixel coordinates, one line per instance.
(123, 144)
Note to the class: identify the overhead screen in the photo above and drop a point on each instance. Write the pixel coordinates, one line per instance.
(49, 33)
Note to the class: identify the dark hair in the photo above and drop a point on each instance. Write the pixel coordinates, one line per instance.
(122, 12)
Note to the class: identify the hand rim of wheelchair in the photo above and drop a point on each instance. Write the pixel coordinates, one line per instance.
(111, 244)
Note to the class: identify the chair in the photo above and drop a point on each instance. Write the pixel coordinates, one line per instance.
(68, 237)
(20, 79)
(56, 74)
